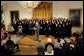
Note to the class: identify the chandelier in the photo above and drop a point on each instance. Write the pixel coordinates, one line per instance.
(29, 4)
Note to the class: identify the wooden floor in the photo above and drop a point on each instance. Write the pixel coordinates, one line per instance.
(28, 44)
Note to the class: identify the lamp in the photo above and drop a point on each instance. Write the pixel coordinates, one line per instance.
(29, 4)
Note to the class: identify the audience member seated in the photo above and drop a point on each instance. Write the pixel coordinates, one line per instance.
(10, 29)
(3, 33)
(40, 48)
(3, 50)
(80, 45)
(49, 49)
(16, 45)
(72, 49)
(10, 46)
(56, 47)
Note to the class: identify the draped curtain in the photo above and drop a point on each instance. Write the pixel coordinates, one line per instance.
(43, 11)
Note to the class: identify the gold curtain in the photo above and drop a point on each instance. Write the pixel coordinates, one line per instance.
(43, 11)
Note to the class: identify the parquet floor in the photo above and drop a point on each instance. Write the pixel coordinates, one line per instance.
(28, 44)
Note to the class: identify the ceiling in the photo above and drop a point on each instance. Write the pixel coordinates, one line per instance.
(3, 2)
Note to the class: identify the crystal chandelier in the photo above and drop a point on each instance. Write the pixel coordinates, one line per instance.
(29, 4)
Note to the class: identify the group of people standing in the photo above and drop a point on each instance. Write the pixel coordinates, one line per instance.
(56, 27)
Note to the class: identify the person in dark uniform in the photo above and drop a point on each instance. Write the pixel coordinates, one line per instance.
(66, 24)
(26, 27)
(50, 24)
(17, 24)
(63, 29)
(53, 28)
(23, 26)
(10, 46)
(47, 28)
(56, 30)
(60, 27)
(70, 26)
(44, 30)
(41, 30)
(30, 26)
(33, 24)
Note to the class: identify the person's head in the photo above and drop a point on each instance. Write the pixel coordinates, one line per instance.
(49, 48)
(56, 41)
(61, 22)
(39, 40)
(49, 40)
(36, 23)
(62, 42)
(47, 21)
(27, 22)
(67, 40)
(30, 22)
(43, 22)
(56, 25)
